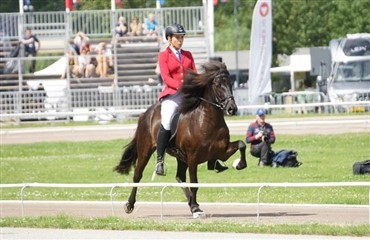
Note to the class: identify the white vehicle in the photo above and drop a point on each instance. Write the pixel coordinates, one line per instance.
(349, 79)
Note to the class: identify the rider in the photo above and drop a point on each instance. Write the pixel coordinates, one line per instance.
(173, 64)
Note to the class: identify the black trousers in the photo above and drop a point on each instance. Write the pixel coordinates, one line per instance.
(33, 61)
(263, 152)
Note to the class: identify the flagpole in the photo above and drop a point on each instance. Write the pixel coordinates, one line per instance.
(236, 83)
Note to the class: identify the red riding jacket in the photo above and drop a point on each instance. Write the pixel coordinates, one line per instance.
(173, 71)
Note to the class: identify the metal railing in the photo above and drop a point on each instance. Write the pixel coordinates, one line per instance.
(124, 103)
(97, 23)
(63, 103)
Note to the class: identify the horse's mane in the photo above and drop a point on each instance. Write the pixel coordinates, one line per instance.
(195, 84)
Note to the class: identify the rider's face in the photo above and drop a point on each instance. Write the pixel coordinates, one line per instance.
(177, 40)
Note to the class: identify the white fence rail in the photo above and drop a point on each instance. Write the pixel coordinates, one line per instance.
(125, 104)
(164, 185)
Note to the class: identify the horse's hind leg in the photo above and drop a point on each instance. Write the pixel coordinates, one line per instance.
(138, 174)
(181, 177)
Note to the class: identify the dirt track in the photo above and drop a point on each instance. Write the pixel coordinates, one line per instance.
(296, 126)
(246, 213)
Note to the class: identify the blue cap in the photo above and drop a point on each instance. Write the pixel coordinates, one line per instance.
(261, 112)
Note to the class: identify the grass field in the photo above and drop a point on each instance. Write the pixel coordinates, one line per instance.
(325, 159)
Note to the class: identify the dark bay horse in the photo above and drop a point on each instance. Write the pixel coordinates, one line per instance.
(202, 134)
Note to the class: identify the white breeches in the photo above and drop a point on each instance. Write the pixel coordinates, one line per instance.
(169, 106)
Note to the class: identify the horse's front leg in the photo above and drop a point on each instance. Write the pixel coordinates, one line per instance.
(194, 206)
(231, 149)
(243, 160)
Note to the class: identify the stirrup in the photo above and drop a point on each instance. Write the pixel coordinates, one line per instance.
(155, 171)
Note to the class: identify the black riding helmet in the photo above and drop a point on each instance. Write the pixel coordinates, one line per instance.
(174, 29)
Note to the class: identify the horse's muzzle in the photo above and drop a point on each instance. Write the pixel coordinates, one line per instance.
(231, 108)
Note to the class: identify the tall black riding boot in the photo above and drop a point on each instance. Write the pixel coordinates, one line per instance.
(216, 166)
(162, 141)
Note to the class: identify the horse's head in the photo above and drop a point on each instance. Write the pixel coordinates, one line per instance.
(221, 87)
(213, 86)
(223, 92)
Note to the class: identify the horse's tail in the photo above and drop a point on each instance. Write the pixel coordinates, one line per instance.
(128, 159)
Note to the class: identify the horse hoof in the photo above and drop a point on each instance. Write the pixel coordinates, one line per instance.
(200, 214)
(197, 212)
(241, 165)
(128, 208)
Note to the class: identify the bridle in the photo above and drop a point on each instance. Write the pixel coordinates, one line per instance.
(219, 102)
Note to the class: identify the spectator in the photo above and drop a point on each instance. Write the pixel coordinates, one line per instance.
(260, 135)
(31, 47)
(80, 41)
(70, 61)
(136, 28)
(81, 63)
(104, 59)
(151, 26)
(121, 28)
(81, 66)
(85, 66)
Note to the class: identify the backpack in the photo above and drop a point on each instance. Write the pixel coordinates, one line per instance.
(286, 158)
(361, 167)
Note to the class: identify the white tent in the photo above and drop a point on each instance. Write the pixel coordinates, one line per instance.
(298, 63)
(57, 68)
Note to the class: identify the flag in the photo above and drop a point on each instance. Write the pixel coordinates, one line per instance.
(260, 51)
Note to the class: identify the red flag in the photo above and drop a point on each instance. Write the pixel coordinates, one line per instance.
(69, 5)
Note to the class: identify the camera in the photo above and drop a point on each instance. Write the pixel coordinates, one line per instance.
(265, 134)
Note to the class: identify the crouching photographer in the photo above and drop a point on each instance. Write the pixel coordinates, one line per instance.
(261, 136)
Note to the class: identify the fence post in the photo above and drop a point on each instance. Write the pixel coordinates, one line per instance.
(258, 203)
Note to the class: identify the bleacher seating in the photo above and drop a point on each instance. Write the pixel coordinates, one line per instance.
(136, 61)
(199, 49)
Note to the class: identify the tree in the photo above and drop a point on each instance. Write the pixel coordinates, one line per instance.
(39, 5)
(296, 23)
(225, 25)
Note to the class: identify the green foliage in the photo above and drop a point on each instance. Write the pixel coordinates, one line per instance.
(227, 30)
(38, 5)
(299, 23)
